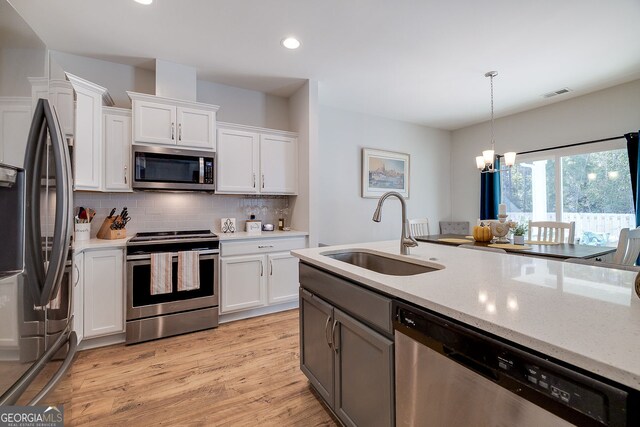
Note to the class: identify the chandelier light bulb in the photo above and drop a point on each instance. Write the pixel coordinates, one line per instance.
(510, 158)
(487, 155)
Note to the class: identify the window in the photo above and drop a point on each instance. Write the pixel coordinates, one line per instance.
(588, 184)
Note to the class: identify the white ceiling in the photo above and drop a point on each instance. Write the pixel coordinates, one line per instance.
(421, 61)
(14, 32)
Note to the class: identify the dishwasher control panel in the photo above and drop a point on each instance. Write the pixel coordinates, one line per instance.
(580, 397)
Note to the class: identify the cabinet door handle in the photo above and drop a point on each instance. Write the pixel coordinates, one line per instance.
(254, 180)
(333, 337)
(179, 131)
(77, 275)
(326, 330)
(173, 126)
(270, 268)
(262, 180)
(261, 269)
(264, 246)
(125, 174)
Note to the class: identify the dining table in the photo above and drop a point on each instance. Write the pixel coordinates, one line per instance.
(558, 251)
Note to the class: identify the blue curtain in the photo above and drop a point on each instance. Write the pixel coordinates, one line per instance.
(634, 160)
(490, 193)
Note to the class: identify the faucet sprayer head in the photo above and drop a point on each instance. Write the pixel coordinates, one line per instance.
(377, 215)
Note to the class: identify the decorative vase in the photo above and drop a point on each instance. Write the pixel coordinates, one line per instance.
(501, 229)
(518, 240)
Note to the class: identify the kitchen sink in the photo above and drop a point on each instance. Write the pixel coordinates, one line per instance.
(381, 264)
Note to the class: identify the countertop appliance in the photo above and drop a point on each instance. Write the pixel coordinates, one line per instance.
(449, 374)
(150, 316)
(37, 294)
(164, 168)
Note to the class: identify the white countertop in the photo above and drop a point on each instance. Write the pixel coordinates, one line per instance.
(242, 235)
(79, 246)
(583, 315)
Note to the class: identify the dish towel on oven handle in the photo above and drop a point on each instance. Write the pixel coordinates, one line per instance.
(188, 271)
(161, 265)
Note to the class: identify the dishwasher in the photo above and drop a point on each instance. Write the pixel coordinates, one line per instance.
(449, 374)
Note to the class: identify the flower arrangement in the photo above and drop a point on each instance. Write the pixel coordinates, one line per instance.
(520, 229)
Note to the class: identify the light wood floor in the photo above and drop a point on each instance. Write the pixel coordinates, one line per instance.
(244, 373)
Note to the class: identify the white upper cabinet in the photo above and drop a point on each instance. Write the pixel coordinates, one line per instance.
(88, 153)
(15, 120)
(173, 122)
(117, 149)
(196, 127)
(61, 98)
(278, 164)
(154, 122)
(237, 161)
(254, 160)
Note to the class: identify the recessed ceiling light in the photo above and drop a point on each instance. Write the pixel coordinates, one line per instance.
(145, 2)
(291, 43)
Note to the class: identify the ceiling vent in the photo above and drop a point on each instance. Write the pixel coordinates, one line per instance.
(557, 92)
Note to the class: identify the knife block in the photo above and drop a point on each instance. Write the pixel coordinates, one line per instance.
(107, 233)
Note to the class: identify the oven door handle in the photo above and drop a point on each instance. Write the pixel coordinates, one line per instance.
(208, 254)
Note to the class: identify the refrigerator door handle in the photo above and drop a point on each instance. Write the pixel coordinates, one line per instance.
(42, 279)
(11, 396)
(68, 360)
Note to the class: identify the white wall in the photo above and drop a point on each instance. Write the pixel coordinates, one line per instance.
(116, 78)
(247, 107)
(304, 120)
(16, 65)
(244, 106)
(343, 215)
(606, 113)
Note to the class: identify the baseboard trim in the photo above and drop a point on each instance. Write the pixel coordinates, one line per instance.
(230, 317)
(89, 343)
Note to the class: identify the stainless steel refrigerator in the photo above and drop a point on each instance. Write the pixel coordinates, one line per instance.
(36, 336)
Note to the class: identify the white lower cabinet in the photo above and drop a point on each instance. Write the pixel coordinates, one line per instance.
(243, 283)
(258, 273)
(283, 278)
(103, 292)
(77, 279)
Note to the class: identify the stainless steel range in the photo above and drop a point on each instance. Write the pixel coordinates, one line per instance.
(164, 296)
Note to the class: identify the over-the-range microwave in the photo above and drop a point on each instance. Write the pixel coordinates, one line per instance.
(164, 168)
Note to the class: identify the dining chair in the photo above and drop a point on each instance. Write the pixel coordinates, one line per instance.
(595, 263)
(419, 227)
(628, 247)
(483, 248)
(454, 227)
(486, 221)
(552, 231)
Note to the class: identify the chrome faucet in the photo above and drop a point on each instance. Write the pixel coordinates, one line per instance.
(406, 240)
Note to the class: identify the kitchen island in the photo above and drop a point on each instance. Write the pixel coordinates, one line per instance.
(588, 317)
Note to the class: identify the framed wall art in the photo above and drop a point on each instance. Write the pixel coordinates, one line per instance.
(384, 171)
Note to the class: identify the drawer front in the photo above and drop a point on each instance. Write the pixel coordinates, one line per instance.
(370, 307)
(260, 246)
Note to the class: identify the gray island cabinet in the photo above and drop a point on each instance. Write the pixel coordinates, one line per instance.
(346, 347)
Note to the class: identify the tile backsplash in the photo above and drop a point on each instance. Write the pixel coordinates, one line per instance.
(157, 211)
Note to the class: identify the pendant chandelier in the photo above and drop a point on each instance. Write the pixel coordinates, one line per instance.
(486, 162)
